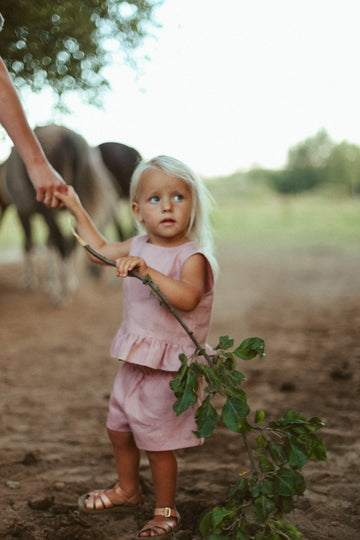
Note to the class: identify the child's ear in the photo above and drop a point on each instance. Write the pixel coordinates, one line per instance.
(136, 211)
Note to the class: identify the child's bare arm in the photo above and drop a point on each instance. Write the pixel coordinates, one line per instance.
(183, 294)
(88, 230)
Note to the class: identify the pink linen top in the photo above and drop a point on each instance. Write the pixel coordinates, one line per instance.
(149, 334)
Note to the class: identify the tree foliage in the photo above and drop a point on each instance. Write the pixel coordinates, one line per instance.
(313, 152)
(64, 44)
(306, 166)
(344, 167)
(318, 161)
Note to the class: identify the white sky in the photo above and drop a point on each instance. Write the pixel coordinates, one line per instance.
(231, 83)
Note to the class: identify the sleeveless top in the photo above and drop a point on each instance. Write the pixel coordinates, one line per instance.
(149, 334)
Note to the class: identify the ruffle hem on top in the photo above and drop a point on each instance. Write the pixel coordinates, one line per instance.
(151, 352)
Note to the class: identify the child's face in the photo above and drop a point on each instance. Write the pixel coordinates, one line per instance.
(163, 207)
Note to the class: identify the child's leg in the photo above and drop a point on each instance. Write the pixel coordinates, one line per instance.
(127, 459)
(126, 494)
(164, 473)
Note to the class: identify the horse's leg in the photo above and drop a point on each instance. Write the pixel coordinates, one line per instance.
(29, 278)
(63, 279)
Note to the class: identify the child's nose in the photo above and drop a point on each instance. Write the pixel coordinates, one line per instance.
(166, 205)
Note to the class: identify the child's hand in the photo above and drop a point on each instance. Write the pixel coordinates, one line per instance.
(125, 264)
(70, 199)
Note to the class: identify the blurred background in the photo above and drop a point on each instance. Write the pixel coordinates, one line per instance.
(260, 98)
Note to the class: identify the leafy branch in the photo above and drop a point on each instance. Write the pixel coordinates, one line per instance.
(255, 505)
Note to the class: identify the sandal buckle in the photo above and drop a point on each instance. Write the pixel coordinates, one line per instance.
(167, 511)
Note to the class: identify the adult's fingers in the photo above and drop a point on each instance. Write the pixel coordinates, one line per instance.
(40, 194)
(55, 202)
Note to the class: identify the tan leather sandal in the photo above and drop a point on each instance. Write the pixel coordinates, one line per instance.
(166, 524)
(99, 503)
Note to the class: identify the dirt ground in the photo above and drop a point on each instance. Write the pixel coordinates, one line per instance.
(56, 375)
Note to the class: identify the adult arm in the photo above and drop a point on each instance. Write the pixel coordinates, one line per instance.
(12, 116)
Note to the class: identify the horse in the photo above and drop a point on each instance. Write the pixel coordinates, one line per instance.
(121, 161)
(81, 166)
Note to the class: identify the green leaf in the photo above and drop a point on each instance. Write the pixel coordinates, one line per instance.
(231, 378)
(277, 453)
(261, 441)
(206, 419)
(297, 458)
(284, 504)
(189, 395)
(289, 482)
(177, 385)
(291, 417)
(315, 423)
(255, 487)
(268, 487)
(287, 530)
(225, 342)
(261, 535)
(205, 525)
(212, 378)
(229, 361)
(241, 536)
(318, 449)
(238, 491)
(211, 523)
(249, 348)
(234, 392)
(218, 515)
(148, 279)
(234, 414)
(312, 445)
(265, 465)
(259, 416)
(263, 507)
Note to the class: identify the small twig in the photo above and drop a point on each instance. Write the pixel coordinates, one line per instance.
(148, 281)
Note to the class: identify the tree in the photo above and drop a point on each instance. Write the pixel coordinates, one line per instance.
(64, 44)
(344, 167)
(313, 152)
(307, 165)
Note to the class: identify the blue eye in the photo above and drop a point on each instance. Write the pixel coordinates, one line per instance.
(178, 197)
(154, 199)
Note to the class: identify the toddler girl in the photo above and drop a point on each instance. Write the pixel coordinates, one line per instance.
(169, 204)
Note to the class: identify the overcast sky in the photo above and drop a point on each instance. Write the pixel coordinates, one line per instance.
(230, 84)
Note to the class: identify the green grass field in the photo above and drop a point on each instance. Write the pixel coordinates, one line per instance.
(268, 221)
(254, 219)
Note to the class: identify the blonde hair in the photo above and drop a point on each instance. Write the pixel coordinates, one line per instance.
(199, 229)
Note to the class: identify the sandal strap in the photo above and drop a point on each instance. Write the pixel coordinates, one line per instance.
(166, 524)
(99, 500)
(125, 496)
(167, 512)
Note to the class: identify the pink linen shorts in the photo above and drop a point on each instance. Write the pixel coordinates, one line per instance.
(142, 403)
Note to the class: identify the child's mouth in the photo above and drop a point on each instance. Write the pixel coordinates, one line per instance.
(168, 221)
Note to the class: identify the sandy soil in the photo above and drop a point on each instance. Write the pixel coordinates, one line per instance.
(56, 375)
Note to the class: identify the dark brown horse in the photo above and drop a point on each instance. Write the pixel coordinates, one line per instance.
(121, 161)
(81, 166)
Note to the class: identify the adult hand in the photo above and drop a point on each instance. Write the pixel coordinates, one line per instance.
(70, 199)
(46, 182)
